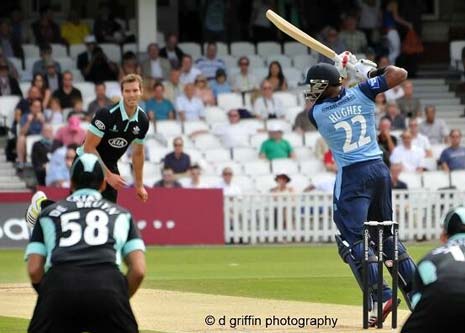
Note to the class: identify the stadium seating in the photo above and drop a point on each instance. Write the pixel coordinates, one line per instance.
(457, 179)
(193, 126)
(7, 108)
(214, 115)
(76, 49)
(287, 99)
(283, 60)
(435, 180)
(217, 155)
(257, 167)
(206, 141)
(311, 167)
(228, 101)
(264, 183)
(59, 51)
(191, 48)
(239, 49)
(266, 48)
(255, 61)
(168, 128)
(244, 154)
(112, 51)
(303, 153)
(222, 49)
(412, 179)
(235, 166)
(31, 51)
(456, 54)
(284, 165)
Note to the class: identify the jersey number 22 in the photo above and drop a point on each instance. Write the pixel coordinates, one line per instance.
(95, 231)
(363, 138)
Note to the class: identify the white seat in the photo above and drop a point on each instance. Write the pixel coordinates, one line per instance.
(283, 124)
(254, 124)
(256, 140)
(191, 48)
(257, 167)
(195, 155)
(284, 165)
(168, 128)
(294, 48)
(221, 48)
(77, 76)
(287, 99)
(29, 63)
(113, 89)
(87, 89)
(130, 47)
(160, 39)
(293, 76)
(7, 108)
(194, 126)
(156, 153)
(245, 183)
(435, 180)
(292, 112)
(242, 49)
(304, 61)
(264, 183)
(235, 166)
(261, 73)
(170, 138)
(228, 101)
(151, 173)
(429, 163)
(311, 138)
(30, 140)
(30, 51)
(437, 149)
(283, 60)
(323, 181)
(217, 155)
(303, 153)
(206, 141)
(412, 179)
(295, 139)
(76, 49)
(230, 62)
(211, 180)
(17, 63)
(66, 63)
(456, 53)
(215, 115)
(266, 48)
(24, 86)
(457, 179)
(255, 61)
(299, 182)
(311, 167)
(126, 172)
(244, 154)
(59, 51)
(112, 51)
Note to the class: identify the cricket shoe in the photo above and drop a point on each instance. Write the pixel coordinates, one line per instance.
(35, 208)
(387, 308)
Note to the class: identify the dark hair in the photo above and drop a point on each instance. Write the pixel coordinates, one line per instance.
(453, 223)
(128, 55)
(185, 55)
(280, 74)
(45, 47)
(194, 167)
(167, 168)
(45, 87)
(158, 84)
(86, 179)
(100, 83)
(243, 58)
(36, 100)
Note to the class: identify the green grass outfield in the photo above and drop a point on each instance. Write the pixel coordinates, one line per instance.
(304, 273)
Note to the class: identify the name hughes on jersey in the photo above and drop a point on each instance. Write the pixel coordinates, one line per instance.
(345, 112)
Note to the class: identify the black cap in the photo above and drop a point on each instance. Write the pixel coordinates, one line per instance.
(324, 71)
(454, 222)
(87, 172)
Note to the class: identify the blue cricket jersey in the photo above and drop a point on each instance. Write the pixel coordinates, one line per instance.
(347, 123)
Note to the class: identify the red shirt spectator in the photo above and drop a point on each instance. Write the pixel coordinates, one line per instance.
(72, 133)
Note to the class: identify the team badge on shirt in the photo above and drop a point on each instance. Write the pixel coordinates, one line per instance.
(136, 130)
(100, 125)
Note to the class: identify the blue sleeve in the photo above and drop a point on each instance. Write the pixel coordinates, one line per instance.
(374, 86)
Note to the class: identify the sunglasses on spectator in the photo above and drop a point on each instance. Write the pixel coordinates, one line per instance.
(178, 144)
(244, 64)
(227, 173)
(267, 88)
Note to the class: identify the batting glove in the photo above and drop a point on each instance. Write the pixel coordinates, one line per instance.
(363, 67)
(344, 62)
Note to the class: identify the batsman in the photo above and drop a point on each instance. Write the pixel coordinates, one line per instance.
(346, 120)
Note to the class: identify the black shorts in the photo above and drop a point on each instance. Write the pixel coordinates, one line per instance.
(439, 310)
(76, 299)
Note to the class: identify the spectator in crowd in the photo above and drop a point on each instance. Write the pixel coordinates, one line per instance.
(282, 180)
(54, 79)
(31, 124)
(173, 87)
(147, 91)
(168, 180)
(214, 18)
(380, 107)
(302, 123)
(330, 37)
(39, 153)
(262, 29)
(188, 106)
(419, 139)
(71, 133)
(178, 161)
(276, 76)
(45, 30)
(407, 154)
(328, 161)
(203, 91)
(275, 146)
(54, 113)
(220, 85)
(77, 109)
(397, 119)
(40, 82)
(227, 185)
(11, 67)
(101, 99)
(194, 180)
(155, 66)
(11, 46)
(129, 65)
(370, 13)
(210, 63)
(171, 51)
(386, 141)
(354, 40)
(8, 84)
(234, 133)
(244, 81)
(59, 167)
(106, 29)
(158, 107)
(101, 68)
(74, 30)
(19, 30)
(435, 129)
(188, 72)
(40, 66)
(85, 57)
(391, 18)
(67, 93)
(267, 106)
(453, 157)
(23, 106)
(409, 105)
(397, 184)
